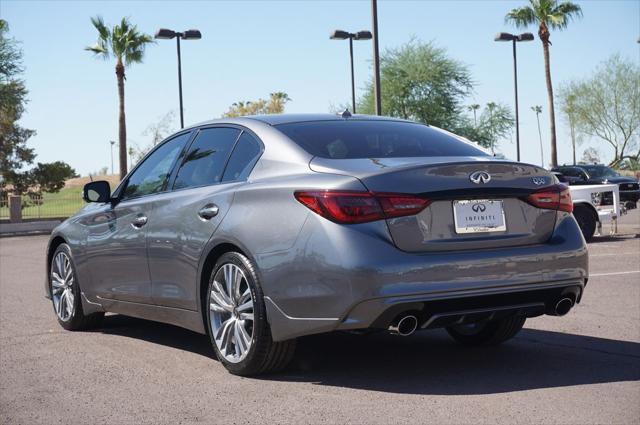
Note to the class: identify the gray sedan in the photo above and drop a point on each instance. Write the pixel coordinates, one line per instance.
(259, 230)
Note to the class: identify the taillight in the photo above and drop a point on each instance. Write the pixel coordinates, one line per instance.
(351, 207)
(555, 197)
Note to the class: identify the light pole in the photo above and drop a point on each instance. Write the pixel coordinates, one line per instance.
(112, 144)
(376, 57)
(166, 34)
(538, 110)
(505, 36)
(343, 35)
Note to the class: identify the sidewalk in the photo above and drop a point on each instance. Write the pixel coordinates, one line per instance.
(27, 228)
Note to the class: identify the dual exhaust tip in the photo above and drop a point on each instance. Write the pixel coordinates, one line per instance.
(404, 325)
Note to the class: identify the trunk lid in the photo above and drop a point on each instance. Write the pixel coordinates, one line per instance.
(446, 181)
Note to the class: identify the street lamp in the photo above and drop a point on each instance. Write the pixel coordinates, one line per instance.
(505, 36)
(376, 57)
(166, 34)
(343, 35)
(112, 143)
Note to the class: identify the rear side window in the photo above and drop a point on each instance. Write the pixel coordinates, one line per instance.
(204, 162)
(350, 139)
(243, 158)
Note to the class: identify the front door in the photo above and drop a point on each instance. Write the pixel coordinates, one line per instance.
(116, 241)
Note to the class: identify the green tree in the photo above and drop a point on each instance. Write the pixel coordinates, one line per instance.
(494, 123)
(14, 153)
(420, 82)
(606, 106)
(567, 107)
(274, 105)
(51, 177)
(126, 45)
(546, 14)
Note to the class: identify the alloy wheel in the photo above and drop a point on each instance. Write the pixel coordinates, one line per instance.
(231, 312)
(62, 286)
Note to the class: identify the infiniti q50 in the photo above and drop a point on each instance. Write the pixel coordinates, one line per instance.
(258, 230)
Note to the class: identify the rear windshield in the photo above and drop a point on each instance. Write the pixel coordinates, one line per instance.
(352, 139)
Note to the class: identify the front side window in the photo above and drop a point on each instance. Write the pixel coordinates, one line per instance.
(207, 156)
(243, 158)
(350, 139)
(151, 175)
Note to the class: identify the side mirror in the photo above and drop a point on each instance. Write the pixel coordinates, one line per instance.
(98, 191)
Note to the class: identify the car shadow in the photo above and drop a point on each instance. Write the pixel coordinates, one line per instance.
(428, 362)
(614, 238)
(157, 333)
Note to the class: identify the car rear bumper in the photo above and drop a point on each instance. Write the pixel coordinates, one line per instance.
(353, 277)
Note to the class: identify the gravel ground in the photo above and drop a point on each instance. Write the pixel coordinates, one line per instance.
(581, 368)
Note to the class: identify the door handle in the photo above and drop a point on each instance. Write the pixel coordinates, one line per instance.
(208, 211)
(139, 221)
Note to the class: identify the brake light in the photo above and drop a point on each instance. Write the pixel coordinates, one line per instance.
(557, 197)
(351, 207)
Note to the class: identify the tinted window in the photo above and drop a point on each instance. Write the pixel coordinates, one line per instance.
(595, 171)
(204, 163)
(243, 158)
(374, 139)
(151, 175)
(571, 172)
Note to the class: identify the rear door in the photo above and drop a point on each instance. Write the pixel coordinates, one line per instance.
(185, 219)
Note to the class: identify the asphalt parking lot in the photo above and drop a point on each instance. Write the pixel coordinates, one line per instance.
(581, 368)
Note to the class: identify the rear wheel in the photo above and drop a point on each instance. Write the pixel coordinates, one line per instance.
(65, 293)
(487, 333)
(237, 320)
(586, 220)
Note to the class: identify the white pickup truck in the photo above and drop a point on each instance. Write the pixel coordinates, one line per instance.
(589, 212)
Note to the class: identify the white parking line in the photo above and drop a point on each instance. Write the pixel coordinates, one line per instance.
(613, 273)
(612, 254)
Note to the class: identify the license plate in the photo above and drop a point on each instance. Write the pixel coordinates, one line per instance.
(479, 215)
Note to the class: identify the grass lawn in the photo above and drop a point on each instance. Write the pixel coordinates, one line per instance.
(62, 204)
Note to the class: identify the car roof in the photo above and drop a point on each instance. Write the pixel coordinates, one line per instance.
(277, 119)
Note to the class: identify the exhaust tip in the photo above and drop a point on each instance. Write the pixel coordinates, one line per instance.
(404, 326)
(563, 306)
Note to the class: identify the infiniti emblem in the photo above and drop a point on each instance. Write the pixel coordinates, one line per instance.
(538, 181)
(480, 177)
(479, 207)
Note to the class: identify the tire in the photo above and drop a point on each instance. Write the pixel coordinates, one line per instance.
(489, 333)
(586, 220)
(66, 297)
(228, 323)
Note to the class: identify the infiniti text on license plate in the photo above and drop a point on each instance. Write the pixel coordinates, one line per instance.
(479, 215)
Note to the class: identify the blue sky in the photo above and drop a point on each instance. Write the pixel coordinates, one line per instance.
(252, 48)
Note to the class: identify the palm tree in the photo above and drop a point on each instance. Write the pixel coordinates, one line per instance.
(538, 110)
(546, 14)
(127, 45)
(474, 108)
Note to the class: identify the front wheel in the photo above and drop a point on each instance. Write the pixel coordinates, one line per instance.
(65, 293)
(487, 333)
(237, 320)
